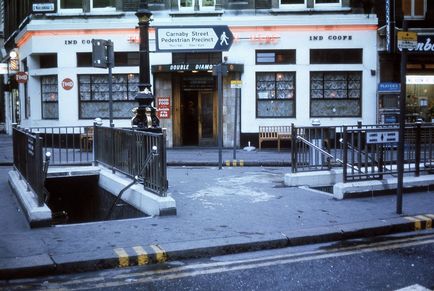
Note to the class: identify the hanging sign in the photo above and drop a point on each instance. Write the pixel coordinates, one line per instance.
(407, 40)
(21, 77)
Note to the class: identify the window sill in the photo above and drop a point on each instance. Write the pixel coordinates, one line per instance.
(196, 13)
(309, 10)
(85, 14)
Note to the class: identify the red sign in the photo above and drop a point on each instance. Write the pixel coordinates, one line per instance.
(163, 107)
(67, 84)
(21, 77)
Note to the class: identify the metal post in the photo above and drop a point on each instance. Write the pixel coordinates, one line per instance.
(417, 148)
(220, 112)
(400, 163)
(110, 81)
(237, 96)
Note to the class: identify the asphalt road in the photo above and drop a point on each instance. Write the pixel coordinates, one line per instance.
(381, 263)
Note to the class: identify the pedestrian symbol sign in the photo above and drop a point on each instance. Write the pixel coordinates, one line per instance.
(193, 38)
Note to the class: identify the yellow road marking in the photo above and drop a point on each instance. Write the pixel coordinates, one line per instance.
(234, 163)
(241, 163)
(428, 221)
(160, 254)
(142, 256)
(124, 260)
(417, 224)
(228, 163)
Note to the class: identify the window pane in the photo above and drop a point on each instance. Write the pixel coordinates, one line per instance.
(103, 3)
(330, 56)
(186, 3)
(207, 3)
(71, 4)
(419, 8)
(292, 2)
(49, 96)
(335, 94)
(406, 7)
(94, 95)
(327, 1)
(275, 57)
(275, 93)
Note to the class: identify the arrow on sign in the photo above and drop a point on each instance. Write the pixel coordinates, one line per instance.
(194, 38)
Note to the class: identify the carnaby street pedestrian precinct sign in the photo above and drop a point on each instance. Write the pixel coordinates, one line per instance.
(194, 38)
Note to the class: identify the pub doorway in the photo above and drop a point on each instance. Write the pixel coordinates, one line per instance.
(198, 111)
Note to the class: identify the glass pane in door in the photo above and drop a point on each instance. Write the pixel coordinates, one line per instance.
(206, 115)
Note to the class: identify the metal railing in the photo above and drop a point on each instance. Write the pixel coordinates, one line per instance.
(380, 158)
(126, 150)
(321, 148)
(69, 145)
(28, 160)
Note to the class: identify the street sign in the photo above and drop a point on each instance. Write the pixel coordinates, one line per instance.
(375, 137)
(236, 84)
(42, 6)
(407, 40)
(194, 38)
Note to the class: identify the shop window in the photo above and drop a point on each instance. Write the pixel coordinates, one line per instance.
(335, 94)
(275, 94)
(207, 4)
(329, 56)
(186, 5)
(94, 95)
(78, 6)
(49, 94)
(48, 61)
(275, 57)
(414, 9)
(302, 4)
(122, 59)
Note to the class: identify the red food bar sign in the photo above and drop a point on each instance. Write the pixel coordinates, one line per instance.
(163, 107)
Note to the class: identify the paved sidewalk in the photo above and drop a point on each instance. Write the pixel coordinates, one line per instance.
(218, 211)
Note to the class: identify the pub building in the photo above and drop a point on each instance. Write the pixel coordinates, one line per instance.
(297, 69)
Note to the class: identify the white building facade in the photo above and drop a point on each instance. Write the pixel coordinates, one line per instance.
(293, 68)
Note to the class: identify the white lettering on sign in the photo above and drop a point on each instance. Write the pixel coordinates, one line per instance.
(179, 67)
(67, 84)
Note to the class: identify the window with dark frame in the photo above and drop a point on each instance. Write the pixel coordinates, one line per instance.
(330, 56)
(335, 93)
(94, 95)
(122, 59)
(275, 57)
(275, 94)
(49, 97)
(48, 61)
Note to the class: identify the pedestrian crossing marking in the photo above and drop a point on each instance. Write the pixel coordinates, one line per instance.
(124, 260)
(142, 256)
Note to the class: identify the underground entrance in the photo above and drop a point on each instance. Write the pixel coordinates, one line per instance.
(79, 199)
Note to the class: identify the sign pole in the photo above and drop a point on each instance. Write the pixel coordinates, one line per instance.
(110, 64)
(220, 112)
(400, 162)
(237, 93)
